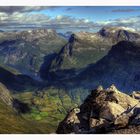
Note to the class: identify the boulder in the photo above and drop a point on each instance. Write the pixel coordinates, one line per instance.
(98, 123)
(121, 121)
(103, 111)
(121, 98)
(93, 123)
(70, 124)
(111, 111)
(72, 118)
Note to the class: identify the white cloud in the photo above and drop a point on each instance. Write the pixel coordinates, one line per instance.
(22, 17)
(22, 9)
(132, 22)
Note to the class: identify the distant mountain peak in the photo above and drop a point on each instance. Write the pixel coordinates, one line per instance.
(119, 33)
(68, 48)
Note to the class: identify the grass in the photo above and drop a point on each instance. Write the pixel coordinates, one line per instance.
(48, 110)
(12, 123)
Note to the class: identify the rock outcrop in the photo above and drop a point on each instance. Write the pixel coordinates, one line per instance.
(103, 111)
(6, 97)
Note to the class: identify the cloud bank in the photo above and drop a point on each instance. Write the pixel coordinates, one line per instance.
(25, 17)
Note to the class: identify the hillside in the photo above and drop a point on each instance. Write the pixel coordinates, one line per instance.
(21, 111)
(11, 120)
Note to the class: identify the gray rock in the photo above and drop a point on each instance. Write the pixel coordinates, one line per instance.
(5, 95)
(121, 121)
(111, 110)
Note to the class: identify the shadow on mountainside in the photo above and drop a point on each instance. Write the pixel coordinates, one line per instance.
(120, 66)
(17, 82)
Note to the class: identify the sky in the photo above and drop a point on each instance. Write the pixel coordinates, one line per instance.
(65, 18)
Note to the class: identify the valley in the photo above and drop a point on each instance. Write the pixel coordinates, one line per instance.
(45, 74)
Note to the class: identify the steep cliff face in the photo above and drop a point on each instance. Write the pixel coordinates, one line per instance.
(55, 63)
(103, 111)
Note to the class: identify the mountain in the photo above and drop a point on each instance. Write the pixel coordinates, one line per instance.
(28, 48)
(107, 36)
(120, 66)
(11, 123)
(68, 68)
(31, 47)
(55, 62)
(66, 34)
(117, 34)
(82, 49)
(103, 111)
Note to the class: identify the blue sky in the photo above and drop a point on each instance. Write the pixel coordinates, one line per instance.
(70, 18)
(94, 13)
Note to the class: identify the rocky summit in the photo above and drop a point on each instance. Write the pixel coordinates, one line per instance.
(104, 111)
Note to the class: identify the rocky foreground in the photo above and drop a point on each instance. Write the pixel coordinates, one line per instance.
(104, 111)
